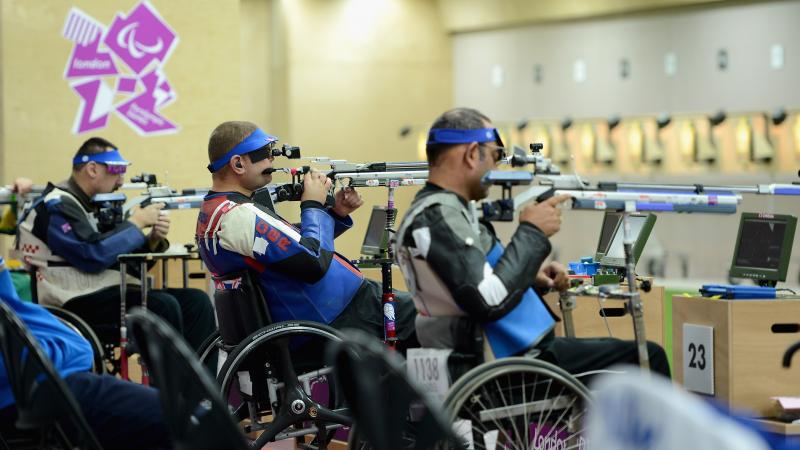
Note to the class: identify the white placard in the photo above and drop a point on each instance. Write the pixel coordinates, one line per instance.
(698, 358)
(579, 71)
(245, 383)
(428, 368)
(670, 64)
(776, 56)
(463, 429)
(498, 76)
(490, 439)
(222, 356)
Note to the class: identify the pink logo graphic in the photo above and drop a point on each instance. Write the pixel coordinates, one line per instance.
(140, 38)
(140, 41)
(66, 227)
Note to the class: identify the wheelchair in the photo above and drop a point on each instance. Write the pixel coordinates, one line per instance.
(194, 412)
(78, 325)
(273, 375)
(515, 402)
(376, 388)
(46, 409)
(102, 349)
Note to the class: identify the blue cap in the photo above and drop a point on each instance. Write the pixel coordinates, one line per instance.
(112, 158)
(256, 140)
(454, 136)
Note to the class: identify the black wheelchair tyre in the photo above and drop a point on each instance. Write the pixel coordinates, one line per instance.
(75, 323)
(207, 347)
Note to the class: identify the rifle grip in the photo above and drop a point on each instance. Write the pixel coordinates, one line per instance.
(547, 194)
(330, 201)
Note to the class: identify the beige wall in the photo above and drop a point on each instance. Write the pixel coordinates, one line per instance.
(39, 107)
(472, 15)
(346, 76)
(745, 29)
(339, 78)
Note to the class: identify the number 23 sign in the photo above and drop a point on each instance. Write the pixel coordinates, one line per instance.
(698, 358)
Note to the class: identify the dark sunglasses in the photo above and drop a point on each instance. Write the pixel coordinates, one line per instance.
(116, 169)
(262, 153)
(501, 152)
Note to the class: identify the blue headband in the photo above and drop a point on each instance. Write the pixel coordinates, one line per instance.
(255, 141)
(112, 158)
(453, 136)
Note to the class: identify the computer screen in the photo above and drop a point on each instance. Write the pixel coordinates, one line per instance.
(376, 230)
(610, 222)
(763, 246)
(640, 227)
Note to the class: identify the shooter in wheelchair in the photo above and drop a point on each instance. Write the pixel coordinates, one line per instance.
(468, 288)
(265, 270)
(71, 245)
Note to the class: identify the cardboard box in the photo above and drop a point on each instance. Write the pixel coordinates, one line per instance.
(749, 339)
(590, 323)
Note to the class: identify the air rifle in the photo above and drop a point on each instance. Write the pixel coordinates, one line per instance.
(546, 180)
(157, 193)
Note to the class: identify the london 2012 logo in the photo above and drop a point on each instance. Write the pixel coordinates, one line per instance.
(119, 69)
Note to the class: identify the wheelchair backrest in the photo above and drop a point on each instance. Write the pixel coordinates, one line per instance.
(41, 396)
(241, 307)
(379, 393)
(194, 411)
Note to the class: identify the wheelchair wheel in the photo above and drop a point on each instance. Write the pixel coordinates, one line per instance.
(278, 386)
(519, 403)
(211, 354)
(208, 346)
(78, 325)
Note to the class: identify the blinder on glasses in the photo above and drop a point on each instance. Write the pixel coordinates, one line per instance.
(116, 169)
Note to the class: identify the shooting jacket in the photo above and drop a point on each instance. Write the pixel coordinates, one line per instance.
(58, 238)
(300, 274)
(457, 269)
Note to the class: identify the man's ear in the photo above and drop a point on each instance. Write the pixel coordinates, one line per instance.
(472, 155)
(236, 165)
(92, 169)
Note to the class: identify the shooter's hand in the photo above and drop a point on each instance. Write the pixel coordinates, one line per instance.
(147, 216)
(347, 201)
(545, 215)
(553, 276)
(159, 231)
(22, 185)
(315, 186)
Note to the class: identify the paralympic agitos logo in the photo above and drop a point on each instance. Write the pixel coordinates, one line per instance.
(119, 69)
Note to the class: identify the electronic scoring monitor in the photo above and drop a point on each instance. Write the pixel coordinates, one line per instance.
(375, 238)
(610, 222)
(763, 247)
(612, 253)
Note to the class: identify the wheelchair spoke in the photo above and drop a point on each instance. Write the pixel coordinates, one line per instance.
(525, 413)
(566, 410)
(540, 422)
(521, 404)
(505, 404)
(336, 415)
(481, 404)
